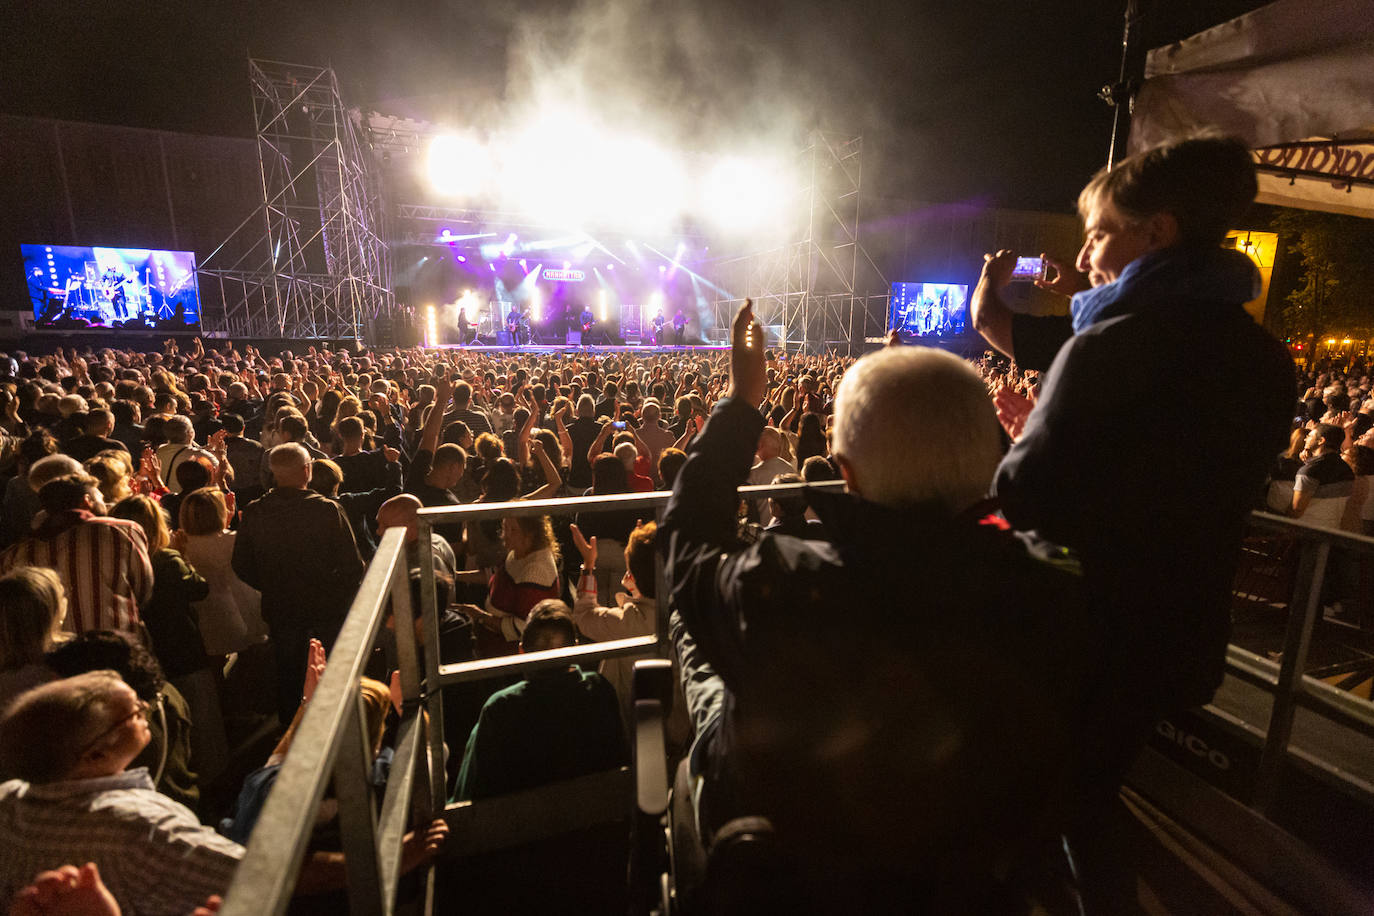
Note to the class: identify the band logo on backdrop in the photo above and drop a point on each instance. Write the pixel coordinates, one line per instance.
(1340, 161)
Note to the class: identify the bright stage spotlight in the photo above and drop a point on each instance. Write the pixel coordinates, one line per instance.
(560, 188)
(458, 166)
(605, 309)
(742, 193)
(644, 185)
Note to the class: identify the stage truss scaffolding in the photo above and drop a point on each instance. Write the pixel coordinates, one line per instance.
(311, 261)
(805, 291)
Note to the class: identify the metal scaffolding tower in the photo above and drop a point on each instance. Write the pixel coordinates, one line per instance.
(310, 262)
(804, 291)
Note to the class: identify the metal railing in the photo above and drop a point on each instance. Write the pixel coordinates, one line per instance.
(1287, 681)
(331, 740)
(442, 675)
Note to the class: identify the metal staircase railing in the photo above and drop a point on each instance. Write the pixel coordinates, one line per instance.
(330, 741)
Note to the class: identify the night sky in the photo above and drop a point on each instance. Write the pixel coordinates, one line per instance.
(961, 100)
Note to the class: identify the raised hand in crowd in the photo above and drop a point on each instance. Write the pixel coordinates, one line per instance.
(748, 369)
(315, 660)
(66, 891)
(586, 547)
(1012, 411)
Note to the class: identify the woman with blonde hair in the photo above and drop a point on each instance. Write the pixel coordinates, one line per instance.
(175, 631)
(349, 406)
(33, 605)
(112, 475)
(230, 616)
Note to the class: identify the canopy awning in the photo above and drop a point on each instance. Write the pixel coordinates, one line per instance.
(1295, 80)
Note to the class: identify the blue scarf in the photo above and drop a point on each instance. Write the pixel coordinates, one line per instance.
(1203, 274)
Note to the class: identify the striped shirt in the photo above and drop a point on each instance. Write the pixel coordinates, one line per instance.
(153, 854)
(103, 564)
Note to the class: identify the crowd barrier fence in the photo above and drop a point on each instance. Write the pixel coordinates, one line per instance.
(331, 740)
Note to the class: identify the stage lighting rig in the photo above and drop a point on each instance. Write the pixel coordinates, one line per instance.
(458, 165)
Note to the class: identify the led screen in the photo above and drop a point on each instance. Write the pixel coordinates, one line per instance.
(928, 310)
(72, 286)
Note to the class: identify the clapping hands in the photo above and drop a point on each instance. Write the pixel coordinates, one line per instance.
(1012, 411)
(585, 547)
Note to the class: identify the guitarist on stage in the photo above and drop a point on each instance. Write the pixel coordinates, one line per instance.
(680, 327)
(464, 326)
(658, 322)
(588, 321)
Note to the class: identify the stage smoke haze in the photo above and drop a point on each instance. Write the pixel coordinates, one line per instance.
(700, 83)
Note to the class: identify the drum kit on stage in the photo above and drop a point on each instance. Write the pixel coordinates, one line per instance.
(104, 297)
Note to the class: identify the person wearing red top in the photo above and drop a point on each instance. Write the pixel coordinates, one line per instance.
(529, 575)
(635, 465)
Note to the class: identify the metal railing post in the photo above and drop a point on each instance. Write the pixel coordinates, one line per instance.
(358, 815)
(1297, 638)
(665, 643)
(329, 742)
(404, 618)
(434, 694)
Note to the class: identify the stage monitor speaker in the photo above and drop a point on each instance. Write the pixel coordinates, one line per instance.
(574, 338)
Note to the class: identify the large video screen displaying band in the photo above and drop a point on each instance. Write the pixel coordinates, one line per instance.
(927, 310)
(73, 287)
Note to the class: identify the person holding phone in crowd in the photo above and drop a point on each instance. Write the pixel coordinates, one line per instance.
(1096, 464)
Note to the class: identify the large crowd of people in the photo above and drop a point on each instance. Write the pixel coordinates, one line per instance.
(183, 532)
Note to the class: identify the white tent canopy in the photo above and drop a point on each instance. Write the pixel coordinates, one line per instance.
(1295, 80)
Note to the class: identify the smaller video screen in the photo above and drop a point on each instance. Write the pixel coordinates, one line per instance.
(119, 288)
(1028, 269)
(928, 310)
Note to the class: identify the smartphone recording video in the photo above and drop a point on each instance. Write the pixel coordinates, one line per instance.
(1028, 270)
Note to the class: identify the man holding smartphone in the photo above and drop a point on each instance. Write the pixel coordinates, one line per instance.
(1161, 334)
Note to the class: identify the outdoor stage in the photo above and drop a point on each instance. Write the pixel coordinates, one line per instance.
(573, 348)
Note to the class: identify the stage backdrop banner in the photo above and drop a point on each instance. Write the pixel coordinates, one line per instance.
(1295, 80)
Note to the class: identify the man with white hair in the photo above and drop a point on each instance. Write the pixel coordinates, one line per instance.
(180, 446)
(629, 456)
(652, 432)
(296, 547)
(769, 465)
(861, 693)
